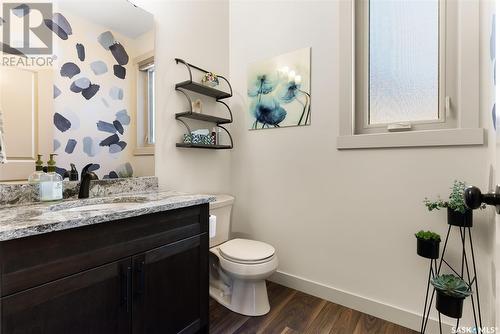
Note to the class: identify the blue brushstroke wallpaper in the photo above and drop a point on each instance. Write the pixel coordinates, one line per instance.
(93, 95)
(279, 91)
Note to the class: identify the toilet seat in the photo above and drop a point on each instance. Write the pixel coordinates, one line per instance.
(246, 271)
(246, 251)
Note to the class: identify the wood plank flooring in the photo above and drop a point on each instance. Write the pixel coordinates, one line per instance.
(294, 312)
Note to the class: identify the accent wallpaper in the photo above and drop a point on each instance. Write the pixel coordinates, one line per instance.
(94, 95)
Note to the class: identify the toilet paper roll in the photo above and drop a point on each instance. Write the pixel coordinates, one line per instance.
(212, 226)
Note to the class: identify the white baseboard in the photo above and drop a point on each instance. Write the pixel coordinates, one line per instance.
(372, 307)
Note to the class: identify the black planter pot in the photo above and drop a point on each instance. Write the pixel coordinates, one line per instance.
(457, 218)
(450, 306)
(428, 248)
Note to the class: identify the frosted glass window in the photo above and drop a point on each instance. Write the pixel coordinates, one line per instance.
(403, 61)
(151, 106)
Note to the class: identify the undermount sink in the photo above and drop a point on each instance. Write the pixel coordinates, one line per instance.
(96, 204)
(92, 207)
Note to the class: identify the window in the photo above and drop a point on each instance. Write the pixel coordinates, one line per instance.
(399, 86)
(151, 105)
(145, 105)
(412, 67)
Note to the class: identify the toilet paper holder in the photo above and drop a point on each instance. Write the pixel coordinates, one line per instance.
(212, 226)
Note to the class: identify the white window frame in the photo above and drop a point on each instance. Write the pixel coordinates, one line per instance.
(142, 145)
(151, 74)
(459, 65)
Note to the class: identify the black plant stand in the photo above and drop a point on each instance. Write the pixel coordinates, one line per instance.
(465, 269)
(427, 306)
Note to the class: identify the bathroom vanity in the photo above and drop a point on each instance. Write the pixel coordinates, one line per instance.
(136, 264)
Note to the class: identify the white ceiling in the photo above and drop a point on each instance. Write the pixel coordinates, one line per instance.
(119, 15)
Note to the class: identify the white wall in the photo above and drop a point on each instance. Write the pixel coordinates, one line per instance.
(196, 31)
(342, 219)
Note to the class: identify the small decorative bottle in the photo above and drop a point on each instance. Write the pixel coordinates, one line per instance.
(213, 137)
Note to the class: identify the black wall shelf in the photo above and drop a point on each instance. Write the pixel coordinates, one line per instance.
(211, 147)
(190, 85)
(203, 117)
(202, 89)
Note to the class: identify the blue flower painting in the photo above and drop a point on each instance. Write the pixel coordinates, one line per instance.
(279, 91)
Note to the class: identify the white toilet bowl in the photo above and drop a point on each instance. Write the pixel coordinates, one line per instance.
(238, 269)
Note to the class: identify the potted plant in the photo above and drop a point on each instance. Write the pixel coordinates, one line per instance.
(428, 244)
(458, 213)
(450, 294)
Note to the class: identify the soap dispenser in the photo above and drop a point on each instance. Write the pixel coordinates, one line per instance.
(51, 184)
(36, 176)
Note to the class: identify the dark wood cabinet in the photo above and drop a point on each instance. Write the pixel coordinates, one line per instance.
(147, 274)
(167, 286)
(94, 301)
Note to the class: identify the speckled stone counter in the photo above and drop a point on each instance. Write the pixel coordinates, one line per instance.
(18, 221)
(22, 193)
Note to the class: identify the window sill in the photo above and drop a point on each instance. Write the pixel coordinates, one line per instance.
(447, 137)
(147, 150)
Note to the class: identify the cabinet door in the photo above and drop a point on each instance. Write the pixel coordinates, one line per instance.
(170, 288)
(92, 302)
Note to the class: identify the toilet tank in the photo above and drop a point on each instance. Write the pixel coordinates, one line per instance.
(221, 209)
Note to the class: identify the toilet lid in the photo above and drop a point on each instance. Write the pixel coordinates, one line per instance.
(244, 250)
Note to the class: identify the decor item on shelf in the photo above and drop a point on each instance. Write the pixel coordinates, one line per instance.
(197, 106)
(458, 213)
(451, 292)
(203, 139)
(198, 139)
(216, 132)
(210, 79)
(279, 91)
(203, 132)
(428, 244)
(214, 135)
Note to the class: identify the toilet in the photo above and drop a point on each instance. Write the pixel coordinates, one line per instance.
(238, 267)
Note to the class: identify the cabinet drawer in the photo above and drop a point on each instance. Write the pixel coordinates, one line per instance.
(31, 261)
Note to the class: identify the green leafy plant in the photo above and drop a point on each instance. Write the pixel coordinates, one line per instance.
(451, 285)
(428, 235)
(455, 200)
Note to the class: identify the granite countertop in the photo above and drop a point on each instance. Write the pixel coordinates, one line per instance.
(18, 221)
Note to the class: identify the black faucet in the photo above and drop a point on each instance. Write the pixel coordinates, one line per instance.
(86, 177)
(72, 175)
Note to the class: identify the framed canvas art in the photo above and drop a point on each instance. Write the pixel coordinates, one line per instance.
(279, 91)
